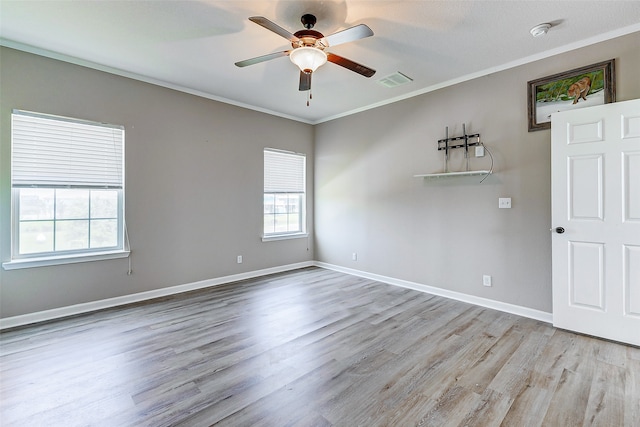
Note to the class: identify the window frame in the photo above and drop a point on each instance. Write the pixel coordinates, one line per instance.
(55, 257)
(282, 235)
(17, 221)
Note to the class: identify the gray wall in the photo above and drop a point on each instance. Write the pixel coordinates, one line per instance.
(193, 183)
(448, 233)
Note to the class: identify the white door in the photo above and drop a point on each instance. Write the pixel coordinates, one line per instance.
(595, 166)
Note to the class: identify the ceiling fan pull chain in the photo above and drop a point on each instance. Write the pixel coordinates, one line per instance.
(308, 96)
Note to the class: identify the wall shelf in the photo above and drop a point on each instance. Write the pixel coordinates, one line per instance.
(449, 174)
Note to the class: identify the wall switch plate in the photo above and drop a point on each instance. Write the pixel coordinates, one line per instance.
(486, 280)
(504, 202)
(239, 259)
(480, 151)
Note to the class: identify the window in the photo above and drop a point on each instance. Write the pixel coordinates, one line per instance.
(284, 194)
(67, 187)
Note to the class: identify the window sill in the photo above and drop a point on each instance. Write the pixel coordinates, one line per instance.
(275, 237)
(68, 259)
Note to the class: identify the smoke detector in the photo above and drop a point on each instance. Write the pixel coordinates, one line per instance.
(540, 30)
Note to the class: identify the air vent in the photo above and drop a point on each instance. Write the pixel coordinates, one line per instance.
(394, 80)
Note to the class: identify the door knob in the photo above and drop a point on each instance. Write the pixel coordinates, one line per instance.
(558, 230)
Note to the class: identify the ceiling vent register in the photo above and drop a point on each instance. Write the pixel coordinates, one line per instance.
(395, 80)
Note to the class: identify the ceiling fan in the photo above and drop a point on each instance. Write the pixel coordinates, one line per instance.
(308, 48)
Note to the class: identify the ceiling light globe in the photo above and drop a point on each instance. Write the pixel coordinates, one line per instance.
(308, 59)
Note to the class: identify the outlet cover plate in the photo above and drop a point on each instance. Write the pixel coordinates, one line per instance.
(504, 202)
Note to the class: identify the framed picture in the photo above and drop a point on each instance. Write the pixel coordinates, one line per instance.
(582, 87)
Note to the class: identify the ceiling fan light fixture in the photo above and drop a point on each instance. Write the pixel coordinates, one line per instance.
(308, 59)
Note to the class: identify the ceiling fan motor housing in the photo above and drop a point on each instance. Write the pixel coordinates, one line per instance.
(308, 38)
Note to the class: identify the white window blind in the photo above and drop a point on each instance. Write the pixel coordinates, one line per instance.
(65, 152)
(284, 172)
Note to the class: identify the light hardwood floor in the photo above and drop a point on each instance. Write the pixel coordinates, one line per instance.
(312, 347)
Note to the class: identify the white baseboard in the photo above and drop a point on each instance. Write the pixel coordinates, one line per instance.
(72, 310)
(483, 302)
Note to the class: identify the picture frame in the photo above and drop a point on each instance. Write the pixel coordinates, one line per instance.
(581, 87)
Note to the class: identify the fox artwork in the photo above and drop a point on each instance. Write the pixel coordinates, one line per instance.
(579, 89)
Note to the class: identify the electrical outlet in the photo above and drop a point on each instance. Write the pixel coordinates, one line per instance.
(504, 202)
(479, 151)
(354, 256)
(239, 259)
(486, 280)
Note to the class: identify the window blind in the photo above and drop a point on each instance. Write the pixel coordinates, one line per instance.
(284, 172)
(53, 151)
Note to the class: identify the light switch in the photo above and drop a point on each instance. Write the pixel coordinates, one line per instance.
(504, 202)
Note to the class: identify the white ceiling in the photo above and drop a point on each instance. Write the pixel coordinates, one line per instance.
(193, 45)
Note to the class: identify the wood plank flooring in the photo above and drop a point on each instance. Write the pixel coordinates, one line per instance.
(312, 347)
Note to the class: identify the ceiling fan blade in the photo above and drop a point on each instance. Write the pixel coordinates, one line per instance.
(350, 34)
(350, 65)
(271, 26)
(305, 81)
(262, 58)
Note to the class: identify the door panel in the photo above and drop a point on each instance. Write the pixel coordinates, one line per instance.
(596, 199)
(585, 187)
(586, 274)
(631, 280)
(631, 184)
(579, 133)
(630, 126)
